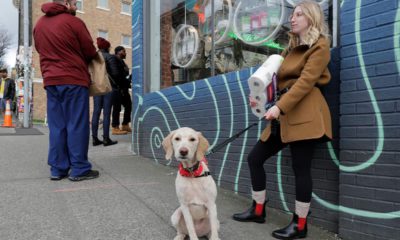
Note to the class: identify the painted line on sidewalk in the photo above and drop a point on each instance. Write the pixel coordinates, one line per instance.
(102, 187)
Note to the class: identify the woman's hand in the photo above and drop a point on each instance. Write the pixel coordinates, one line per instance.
(272, 113)
(252, 101)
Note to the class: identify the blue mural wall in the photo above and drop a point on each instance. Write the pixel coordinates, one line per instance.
(356, 176)
(369, 122)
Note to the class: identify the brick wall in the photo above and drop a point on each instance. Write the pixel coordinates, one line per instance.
(166, 43)
(39, 101)
(370, 121)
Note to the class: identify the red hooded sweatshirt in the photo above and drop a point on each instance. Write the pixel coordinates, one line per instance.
(64, 45)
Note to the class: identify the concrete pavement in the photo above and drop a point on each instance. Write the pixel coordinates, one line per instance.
(132, 199)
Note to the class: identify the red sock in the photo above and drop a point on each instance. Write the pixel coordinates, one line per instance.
(259, 209)
(301, 224)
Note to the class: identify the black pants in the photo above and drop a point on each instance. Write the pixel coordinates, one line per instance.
(121, 97)
(302, 153)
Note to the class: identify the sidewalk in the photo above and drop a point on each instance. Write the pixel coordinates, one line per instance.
(132, 199)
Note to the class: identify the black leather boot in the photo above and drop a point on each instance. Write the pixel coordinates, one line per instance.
(249, 215)
(96, 141)
(108, 142)
(291, 231)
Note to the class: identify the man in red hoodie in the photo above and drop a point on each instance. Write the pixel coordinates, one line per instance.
(65, 48)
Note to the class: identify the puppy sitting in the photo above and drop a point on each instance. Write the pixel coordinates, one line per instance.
(195, 188)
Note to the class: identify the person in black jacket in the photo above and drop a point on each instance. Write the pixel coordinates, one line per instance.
(121, 94)
(103, 102)
(7, 89)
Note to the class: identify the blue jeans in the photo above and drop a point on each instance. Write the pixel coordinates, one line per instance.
(68, 119)
(102, 102)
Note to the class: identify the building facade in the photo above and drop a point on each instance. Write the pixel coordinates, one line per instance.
(110, 19)
(182, 78)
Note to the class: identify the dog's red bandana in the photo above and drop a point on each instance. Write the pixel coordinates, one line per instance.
(195, 171)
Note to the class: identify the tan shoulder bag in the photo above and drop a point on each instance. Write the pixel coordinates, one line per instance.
(100, 82)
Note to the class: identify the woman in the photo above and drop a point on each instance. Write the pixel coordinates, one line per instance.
(102, 102)
(300, 118)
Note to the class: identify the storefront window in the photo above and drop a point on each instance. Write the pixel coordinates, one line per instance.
(183, 47)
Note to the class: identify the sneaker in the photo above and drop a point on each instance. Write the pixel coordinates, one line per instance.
(91, 174)
(57, 178)
(117, 131)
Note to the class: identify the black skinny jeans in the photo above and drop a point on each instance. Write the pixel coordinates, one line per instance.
(302, 153)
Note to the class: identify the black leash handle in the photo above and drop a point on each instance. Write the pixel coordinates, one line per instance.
(224, 143)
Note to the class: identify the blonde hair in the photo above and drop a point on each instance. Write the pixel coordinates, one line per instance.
(317, 25)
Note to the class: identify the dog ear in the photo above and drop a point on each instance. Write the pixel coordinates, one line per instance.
(202, 147)
(167, 145)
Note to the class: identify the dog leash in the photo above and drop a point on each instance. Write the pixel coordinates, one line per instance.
(224, 143)
(277, 95)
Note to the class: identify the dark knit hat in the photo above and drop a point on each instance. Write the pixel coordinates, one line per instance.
(103, 43)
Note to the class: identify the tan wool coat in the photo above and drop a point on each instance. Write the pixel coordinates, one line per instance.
(304, 111)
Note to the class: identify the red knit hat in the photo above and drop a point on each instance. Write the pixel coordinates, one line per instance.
(103, 43)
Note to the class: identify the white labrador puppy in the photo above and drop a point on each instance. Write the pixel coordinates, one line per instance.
(195, 188)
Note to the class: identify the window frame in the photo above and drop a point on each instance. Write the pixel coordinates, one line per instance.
(124, 2)
(103, 7)
(130, 40)
(80, 10)
(103, 31)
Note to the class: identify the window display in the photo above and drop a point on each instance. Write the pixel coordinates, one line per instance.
(191, 39)
(259, 22)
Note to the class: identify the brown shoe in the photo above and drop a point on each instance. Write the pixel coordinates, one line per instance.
(126, 128)
(117, 131)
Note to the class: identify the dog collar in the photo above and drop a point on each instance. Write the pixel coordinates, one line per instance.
(195, 171)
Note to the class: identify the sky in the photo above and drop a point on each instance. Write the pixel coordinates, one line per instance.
(9, 21)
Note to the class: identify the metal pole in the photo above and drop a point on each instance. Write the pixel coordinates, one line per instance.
(26, 63)
(335, 26)
(212, 39)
